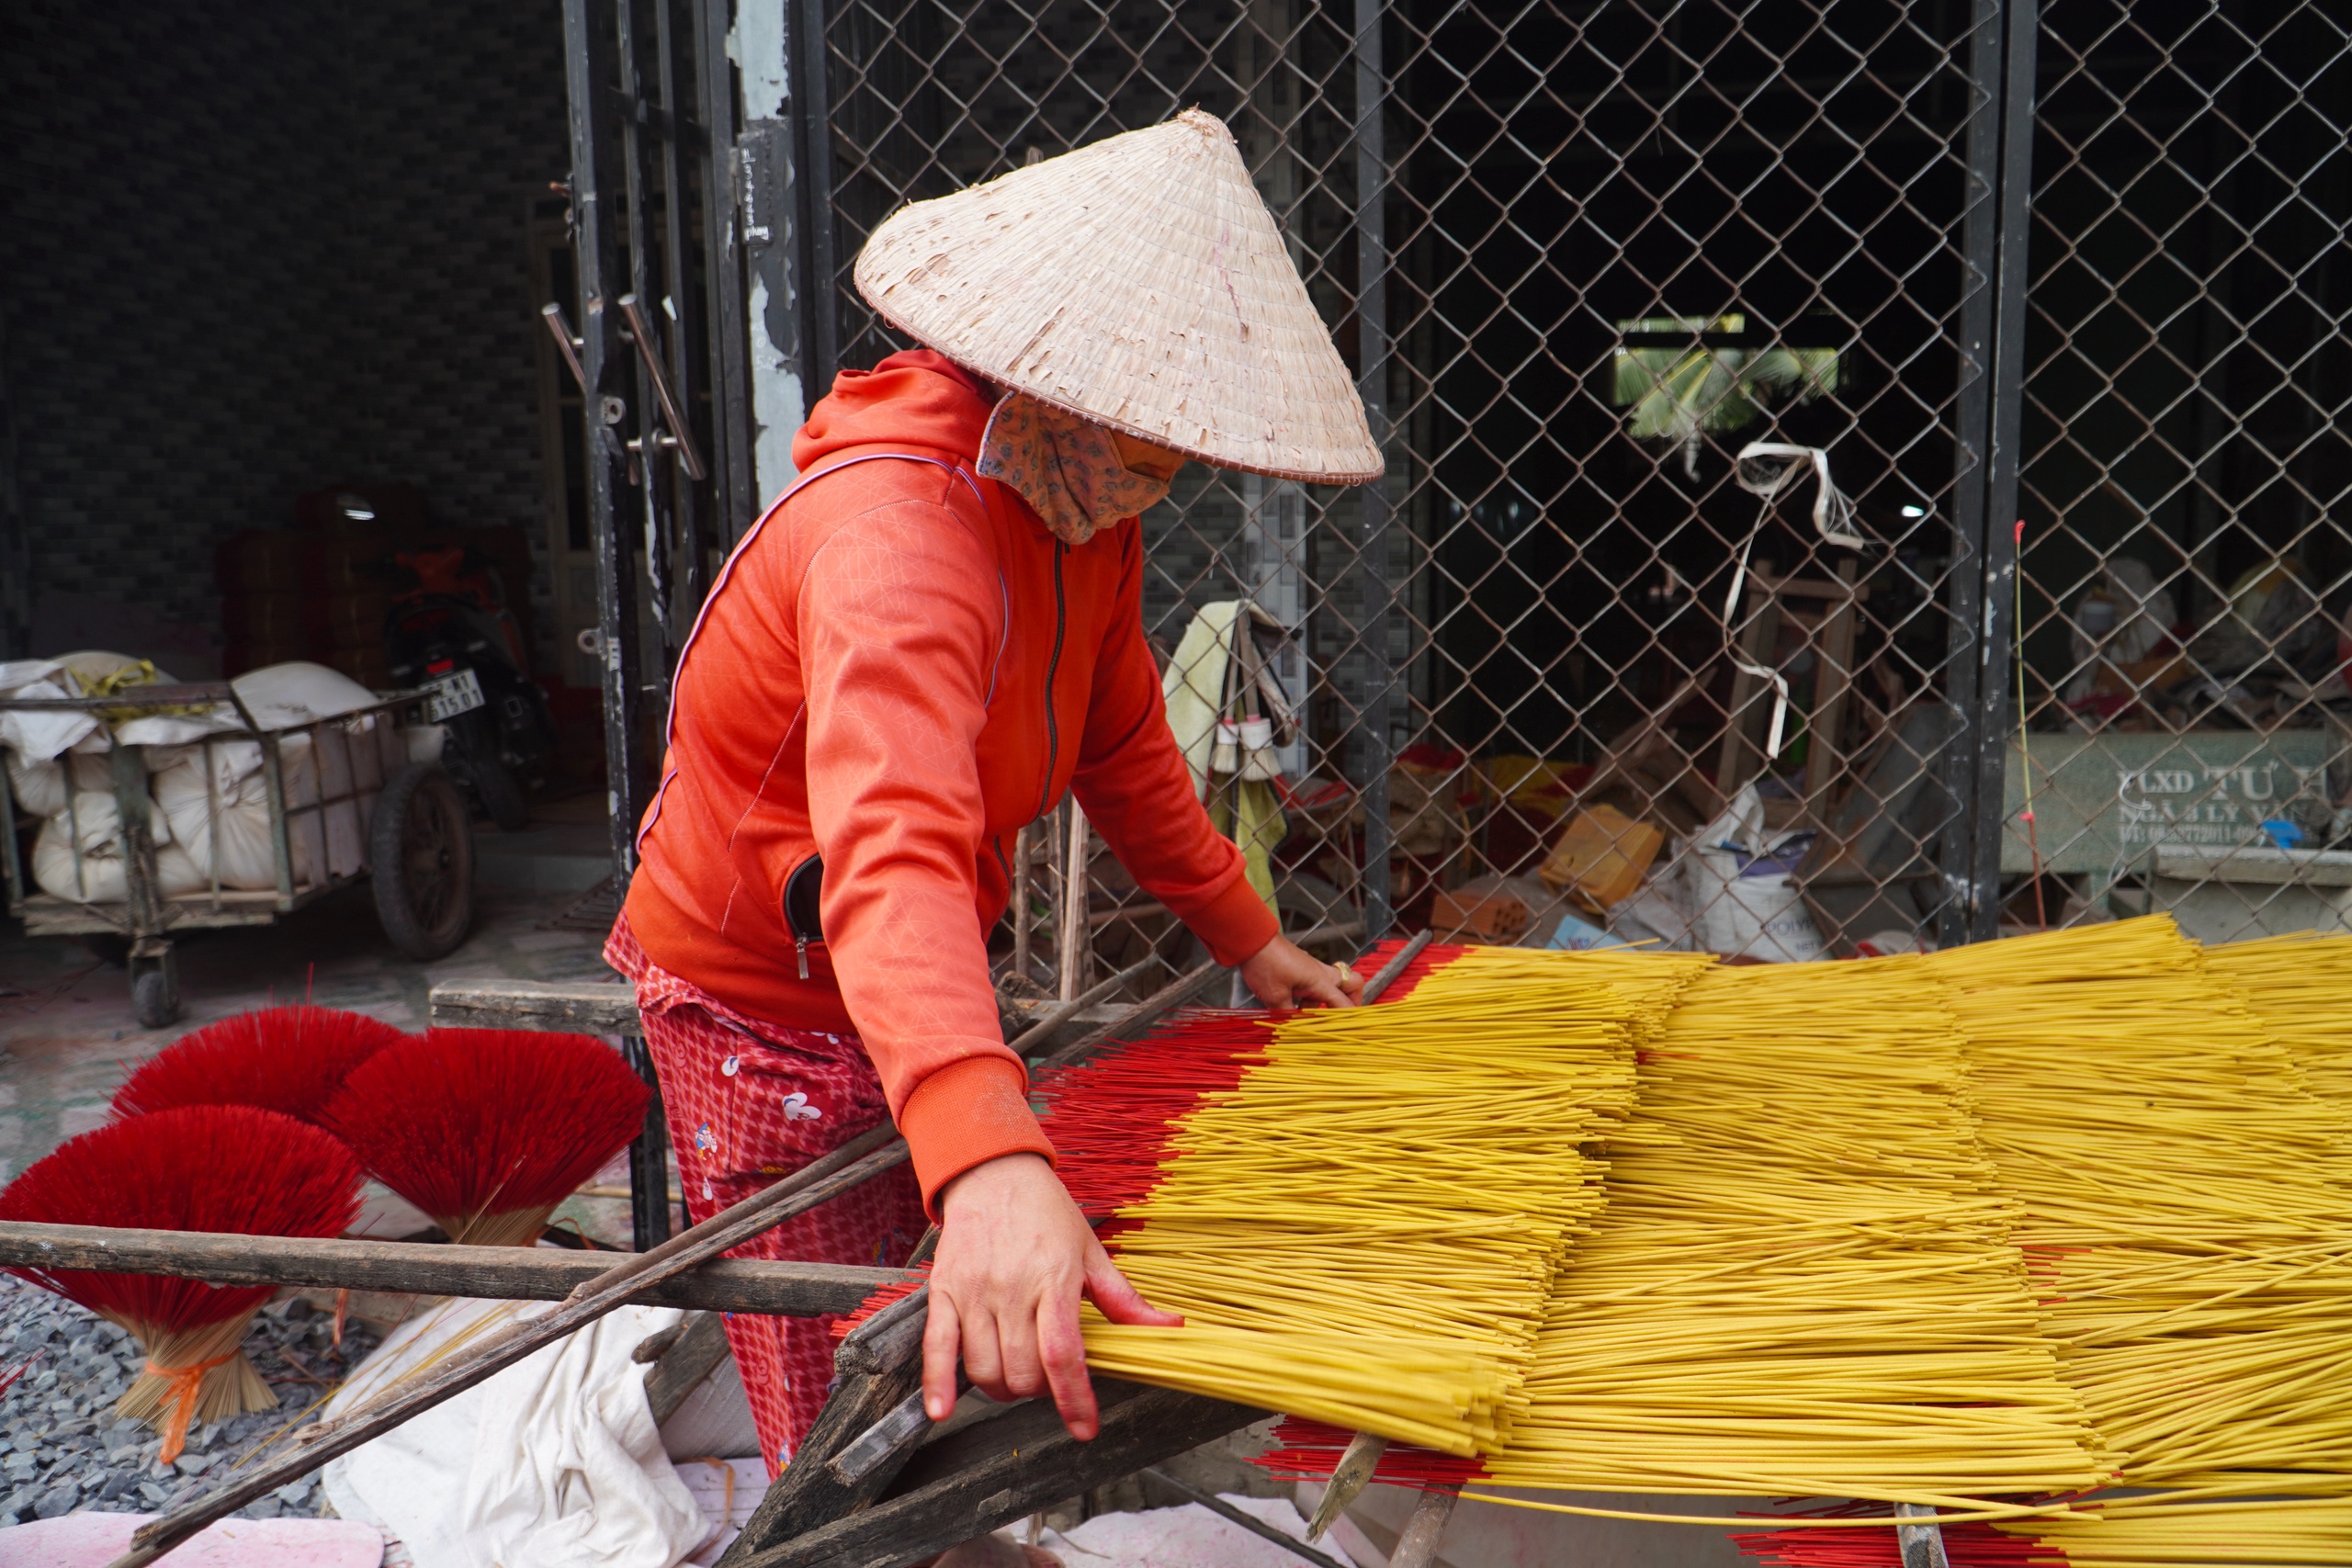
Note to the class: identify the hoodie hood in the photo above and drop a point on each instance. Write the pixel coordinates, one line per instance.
(916, 399)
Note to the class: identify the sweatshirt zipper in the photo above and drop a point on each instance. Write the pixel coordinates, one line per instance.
(1053, 667)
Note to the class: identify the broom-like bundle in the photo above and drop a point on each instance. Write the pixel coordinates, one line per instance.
(290, 1060)
(1802, 1283)
(2188, 1214)
(1357, 1211)
(2162, 1533)
(2300, 988)
(199, 1168)
(488, 1130)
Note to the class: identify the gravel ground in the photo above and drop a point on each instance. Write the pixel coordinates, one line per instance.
(62, 1448)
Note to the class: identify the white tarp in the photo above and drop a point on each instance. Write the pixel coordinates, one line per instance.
(552, 1463)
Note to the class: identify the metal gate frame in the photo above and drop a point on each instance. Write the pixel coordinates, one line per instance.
(771, 262)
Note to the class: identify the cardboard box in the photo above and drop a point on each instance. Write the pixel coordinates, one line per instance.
(1492, 915)
(1601, 856)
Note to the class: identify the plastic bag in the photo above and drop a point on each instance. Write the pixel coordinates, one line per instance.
(1737, 876)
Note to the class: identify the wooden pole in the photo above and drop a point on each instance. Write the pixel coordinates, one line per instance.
(499, 1273)
(1077, 946)
(1024, 919)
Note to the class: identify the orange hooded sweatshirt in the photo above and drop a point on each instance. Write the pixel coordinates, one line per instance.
(899, 668)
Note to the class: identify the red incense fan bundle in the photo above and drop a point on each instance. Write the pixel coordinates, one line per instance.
(290, 1059)
(198, 1167)
(487, 1129)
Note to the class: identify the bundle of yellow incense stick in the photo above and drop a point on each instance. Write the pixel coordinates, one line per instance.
(2300, 988)
(2186, 1205)
(1802, 1283)
(2161, 1533)
(1359, 1213)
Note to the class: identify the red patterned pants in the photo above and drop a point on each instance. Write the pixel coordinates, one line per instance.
(747, 1102)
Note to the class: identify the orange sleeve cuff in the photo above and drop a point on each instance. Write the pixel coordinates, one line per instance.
(969, 1113)
(1236, 923)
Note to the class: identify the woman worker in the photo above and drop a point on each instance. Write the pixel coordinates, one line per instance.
(924, 643)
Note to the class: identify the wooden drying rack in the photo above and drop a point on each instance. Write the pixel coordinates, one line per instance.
(870, 1487)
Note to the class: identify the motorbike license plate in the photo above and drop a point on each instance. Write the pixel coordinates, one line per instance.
(448, 696)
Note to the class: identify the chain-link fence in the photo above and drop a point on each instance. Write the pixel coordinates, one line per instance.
(1575, 672)
(2186, 466)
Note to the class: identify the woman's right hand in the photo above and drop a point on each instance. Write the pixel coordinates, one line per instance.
(1014, 1258)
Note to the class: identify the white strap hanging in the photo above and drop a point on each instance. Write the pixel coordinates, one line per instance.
(1764, 468)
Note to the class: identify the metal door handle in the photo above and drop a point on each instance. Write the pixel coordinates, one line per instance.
(678, 438)
(566, 344)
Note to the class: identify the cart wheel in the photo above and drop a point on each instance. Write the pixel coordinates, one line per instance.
(154, 990)
(422, 852)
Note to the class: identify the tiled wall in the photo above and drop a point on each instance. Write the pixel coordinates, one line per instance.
(251, 246)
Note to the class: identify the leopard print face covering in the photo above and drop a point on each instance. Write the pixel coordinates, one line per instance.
(1066, 467)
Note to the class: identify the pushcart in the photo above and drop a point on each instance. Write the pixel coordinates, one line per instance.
(348, 799)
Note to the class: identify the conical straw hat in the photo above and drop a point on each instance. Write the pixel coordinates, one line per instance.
(1139, 282)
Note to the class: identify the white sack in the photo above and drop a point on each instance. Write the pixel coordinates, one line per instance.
(42, 735)
(238, 811)
(297, 693)
(101, 876)
(16, 673)
(38, 786)
(552, 1463)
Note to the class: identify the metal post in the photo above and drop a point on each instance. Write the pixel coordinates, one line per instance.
(690, 572)
(590, 70)
(1372, 378)
(807, 45)
(723, 281)
(1985, 490)
(653, 489)
(649, 1156)
(1995, 677)
(1272, 544)
(1980, 250)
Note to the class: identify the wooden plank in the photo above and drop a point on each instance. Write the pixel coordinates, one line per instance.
(808, 1494)
(696, 1353)
(1748, 714)
(986, 1477)
(579, 1006)
(501, 1273)
(1825, 762)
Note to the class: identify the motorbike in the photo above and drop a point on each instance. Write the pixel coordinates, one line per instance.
(448, 633)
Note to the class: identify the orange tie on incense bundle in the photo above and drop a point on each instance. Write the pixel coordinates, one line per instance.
(199, 1168)
(488, 1130)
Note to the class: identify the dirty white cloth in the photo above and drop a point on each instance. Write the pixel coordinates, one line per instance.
(553, 1463)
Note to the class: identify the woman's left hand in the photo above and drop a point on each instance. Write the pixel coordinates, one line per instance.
(1282, 974)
